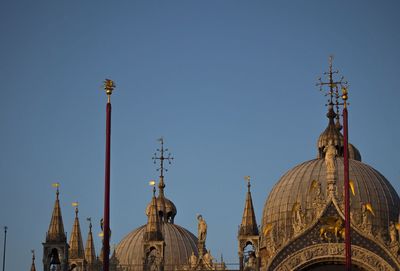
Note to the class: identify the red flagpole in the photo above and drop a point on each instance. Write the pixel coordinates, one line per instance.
(109, 86)
(346, 183)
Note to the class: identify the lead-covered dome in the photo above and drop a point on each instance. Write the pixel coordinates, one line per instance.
(332, 133)
(179, 245)
(303, 192)
(295, 187)
(165, 207)
(160, 229)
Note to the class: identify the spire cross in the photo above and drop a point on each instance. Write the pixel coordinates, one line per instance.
(89, 219)
(333, 85)
(33, 255)
(162, 157)
(247, 178)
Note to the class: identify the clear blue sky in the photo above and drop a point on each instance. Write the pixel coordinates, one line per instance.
(229, 84)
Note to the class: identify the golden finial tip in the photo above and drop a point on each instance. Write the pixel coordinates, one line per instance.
(152, 183)
(109, 86)
(345, 95)
(75, 204)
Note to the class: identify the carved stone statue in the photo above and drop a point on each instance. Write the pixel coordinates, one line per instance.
(298, 218)
(208, 258)
(366, 219)
(251, 262)
(330, 155)
(270, 239)
(392, 233)
(201, 228)
(193, 260)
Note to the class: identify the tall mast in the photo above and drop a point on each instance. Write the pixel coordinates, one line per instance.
(346, 180)
(108, 87)
(4, 249)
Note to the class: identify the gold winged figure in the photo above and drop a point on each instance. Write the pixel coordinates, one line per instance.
(267, 228)
(368, 206)
(352, 188)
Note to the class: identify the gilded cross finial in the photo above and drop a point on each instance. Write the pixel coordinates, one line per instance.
(333, 85)
(153, 184)
(56, 185)
(162, 158)
(247, 178)
(109, 86)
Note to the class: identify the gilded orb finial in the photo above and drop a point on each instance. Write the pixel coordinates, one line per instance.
(153, 184)
(109, 86)
(345, 96)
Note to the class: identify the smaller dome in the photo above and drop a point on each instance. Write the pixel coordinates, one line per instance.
(354, 153)
(166, 208)
(332, 133)
(179, 246)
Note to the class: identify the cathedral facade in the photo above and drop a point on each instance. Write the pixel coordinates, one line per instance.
(302, 224)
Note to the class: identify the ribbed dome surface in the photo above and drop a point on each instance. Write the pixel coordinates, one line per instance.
(179, 245)
(370, 186)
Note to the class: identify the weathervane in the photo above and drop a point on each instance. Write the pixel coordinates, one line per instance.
(333, 85)
(162, 157)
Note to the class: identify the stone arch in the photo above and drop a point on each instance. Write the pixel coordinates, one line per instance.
(333, 254)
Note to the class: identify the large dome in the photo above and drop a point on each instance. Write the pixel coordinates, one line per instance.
(179, 245)
(295, 188)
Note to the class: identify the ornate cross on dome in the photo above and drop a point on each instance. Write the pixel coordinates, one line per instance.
(332, 84)
(162, 157)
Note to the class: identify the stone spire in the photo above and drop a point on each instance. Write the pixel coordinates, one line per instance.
(90, 253)
(153, 228)
(33, 268)
(153, 240)
(248, 233)
(56, 228)
(249, 223)
(75, 243)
